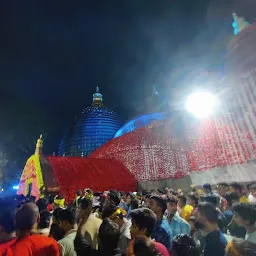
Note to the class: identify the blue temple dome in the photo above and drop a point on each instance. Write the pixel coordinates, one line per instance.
(140, 121)
(95, 126)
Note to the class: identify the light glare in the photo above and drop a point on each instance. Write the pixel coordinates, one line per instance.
(201, 104)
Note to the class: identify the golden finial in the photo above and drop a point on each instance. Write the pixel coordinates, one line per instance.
(39, 145)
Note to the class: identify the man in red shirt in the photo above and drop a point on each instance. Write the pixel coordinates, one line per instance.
(28, 242)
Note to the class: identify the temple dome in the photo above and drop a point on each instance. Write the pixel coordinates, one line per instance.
(140, 121)
(95, 126)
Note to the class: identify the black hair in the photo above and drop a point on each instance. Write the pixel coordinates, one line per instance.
(56, 215)
(144, 218)
(144, 246)
(109, 234)
(89, 191)
(182, 198)
(131, 195)
(231, 197)
(185, 245)
(209, 211)
(207, 186)
(115, 197)
(253, 186)
(79, 193)
(223, 184)
(7, 215)
(56, 232)
(193, 197)
(148, 195)
(45, 219)
(85, 202)
(42, 204)
(236, 186)
(134, 204)
(109, 210)
(172, 199)
(211, 199)
(160, 191)
(161, 202)
(246, 211)
(69, 215)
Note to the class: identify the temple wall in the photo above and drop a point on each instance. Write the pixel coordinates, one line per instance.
(241, 173)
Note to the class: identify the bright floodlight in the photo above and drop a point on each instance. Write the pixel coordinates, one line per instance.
(201, 104)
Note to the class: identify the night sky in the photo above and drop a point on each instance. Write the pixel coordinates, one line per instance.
(54, 53)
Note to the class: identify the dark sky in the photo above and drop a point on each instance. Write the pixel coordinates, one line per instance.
(54, 53)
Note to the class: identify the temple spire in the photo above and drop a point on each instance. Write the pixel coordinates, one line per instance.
(39, 145)
(239, 24)
(97, 98)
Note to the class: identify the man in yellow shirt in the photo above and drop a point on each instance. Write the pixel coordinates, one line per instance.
(237, 188)
(185, 209)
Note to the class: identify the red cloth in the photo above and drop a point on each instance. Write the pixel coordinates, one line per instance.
(49, 207)
(73, 173)
(161, 249)
(5, 246)
(34, 245)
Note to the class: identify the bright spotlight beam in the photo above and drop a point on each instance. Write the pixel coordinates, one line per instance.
(201, 104)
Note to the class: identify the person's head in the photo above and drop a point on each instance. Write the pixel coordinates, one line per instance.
(238, 246)
(207, 188)
(79, 193)
(158, 205)
(207, 216)
(160, 192)
(192, 199)
(59, 202)
(88, 193)
(211, 199)
(7, 214)
(253, 189)
(182, 200)
(231, 198)
(130, 197)
(27, 219)
(147, 199)
(108, 235)
(172, 205)
(67, 219)
(56, 232)
(191, 222)
(114, 213)
(143, 222)
(236, 188)
(85, 203)
(135, 204)
(113, 197)
(222, 188)
(144, 246)
(56, 214)
(45, 220)
(42, 204)
(245, 214)
(184, 245)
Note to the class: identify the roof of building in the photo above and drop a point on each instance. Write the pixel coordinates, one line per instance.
(95, 126)
(74, 173)
(169, 149)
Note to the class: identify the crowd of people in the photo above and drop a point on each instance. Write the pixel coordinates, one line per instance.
(203, 221)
